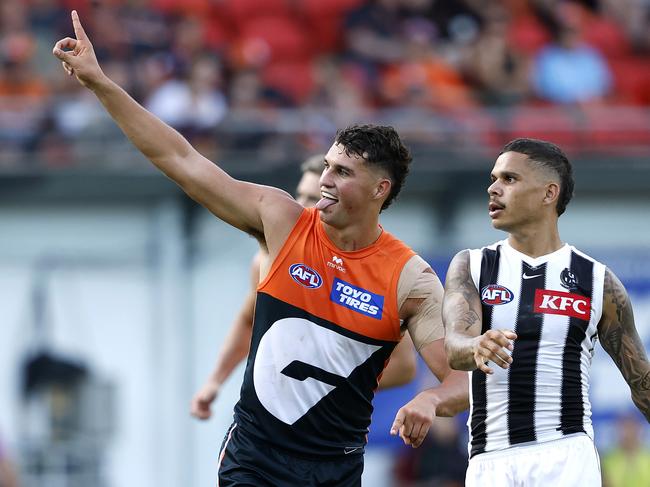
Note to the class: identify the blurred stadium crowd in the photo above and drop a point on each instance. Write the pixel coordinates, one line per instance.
(516, 66)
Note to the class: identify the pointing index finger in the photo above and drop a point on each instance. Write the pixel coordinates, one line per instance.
(397, 424)
(78, 29)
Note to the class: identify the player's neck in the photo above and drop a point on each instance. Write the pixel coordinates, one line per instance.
(353, 237)
(536, 241)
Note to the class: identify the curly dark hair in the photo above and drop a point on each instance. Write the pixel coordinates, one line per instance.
(379, 146)
(549, 155)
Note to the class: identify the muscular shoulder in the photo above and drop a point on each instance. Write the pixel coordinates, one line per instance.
(279, 218)
(616, 304)
(420, 299)
(415, 280)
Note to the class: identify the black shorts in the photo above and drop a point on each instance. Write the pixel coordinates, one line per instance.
(244, 461)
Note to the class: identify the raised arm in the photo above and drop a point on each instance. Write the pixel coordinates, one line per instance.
(235, 348)
(466, 348)
(259, 210)
(422, 315)
(621, 341)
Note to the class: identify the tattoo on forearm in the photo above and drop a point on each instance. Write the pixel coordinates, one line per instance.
(621, 341)
(459, 312)
(645, 382)
(468, 319)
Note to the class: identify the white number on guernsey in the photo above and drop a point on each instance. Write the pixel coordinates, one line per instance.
(297, 339)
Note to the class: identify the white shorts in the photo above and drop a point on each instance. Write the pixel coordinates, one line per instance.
(568, 462)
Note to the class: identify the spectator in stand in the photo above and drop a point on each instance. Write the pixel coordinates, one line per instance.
(194, 105)
(373, 32)
(145, 28)
(628, 464)
(373, 38)
(23, 94)
(569, 71)
(498, 70)
(424, 77)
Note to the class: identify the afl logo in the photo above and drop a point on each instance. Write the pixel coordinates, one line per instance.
(494, 294)
(305, 276)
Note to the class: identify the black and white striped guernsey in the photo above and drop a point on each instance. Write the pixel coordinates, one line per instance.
(554, 304)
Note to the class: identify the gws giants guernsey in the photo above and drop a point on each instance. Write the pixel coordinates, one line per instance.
(554, 304)
(326, 322)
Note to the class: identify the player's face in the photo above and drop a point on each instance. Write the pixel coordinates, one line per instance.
(517, 192)
(348, 185)
(308, 190)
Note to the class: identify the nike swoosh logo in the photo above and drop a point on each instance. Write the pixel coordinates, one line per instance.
(348, 450)
(526, 276)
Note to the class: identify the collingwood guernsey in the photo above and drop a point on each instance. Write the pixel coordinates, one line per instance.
(553, 303)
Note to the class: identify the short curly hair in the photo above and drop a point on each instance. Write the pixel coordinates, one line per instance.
(379, 146)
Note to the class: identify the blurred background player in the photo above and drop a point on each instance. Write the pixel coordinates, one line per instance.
(534, 307)
(400, 370)
(628, 463)
(8, 475)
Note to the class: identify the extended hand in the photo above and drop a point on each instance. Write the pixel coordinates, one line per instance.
(414, 419)
(77, 55)
(493, 345)
(200, 405)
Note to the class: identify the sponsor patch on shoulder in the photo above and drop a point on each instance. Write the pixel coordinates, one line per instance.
(305, 276)
(495, 294)
(357, 299)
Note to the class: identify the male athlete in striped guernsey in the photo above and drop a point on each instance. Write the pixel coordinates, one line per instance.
(336, 293)
(523, 315)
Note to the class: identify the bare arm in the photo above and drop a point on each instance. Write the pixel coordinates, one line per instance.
(452, 395)
(413, 420)
(621, 341)
(235, 348)
(8, 476)
(402, 367)
(466, 348)
(259, 210)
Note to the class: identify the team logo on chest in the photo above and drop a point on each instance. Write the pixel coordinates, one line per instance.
(568, 279)
(305, 276)
(495, 294)
(561, 303)
(357, 299)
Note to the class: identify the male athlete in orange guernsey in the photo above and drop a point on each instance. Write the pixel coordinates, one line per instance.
(322, 333)
(400, 370)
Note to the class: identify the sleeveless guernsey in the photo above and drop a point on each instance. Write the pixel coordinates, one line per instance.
(553, 303)
(326, 322)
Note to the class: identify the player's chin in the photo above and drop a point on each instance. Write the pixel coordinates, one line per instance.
(500, 224)
(328, 215)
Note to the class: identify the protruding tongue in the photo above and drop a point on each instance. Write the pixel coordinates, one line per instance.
(324, 203)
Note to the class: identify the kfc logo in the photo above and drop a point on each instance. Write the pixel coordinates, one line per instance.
(561, 303)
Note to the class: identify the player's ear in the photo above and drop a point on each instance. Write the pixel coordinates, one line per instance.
(552, 193)
(382, 189)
